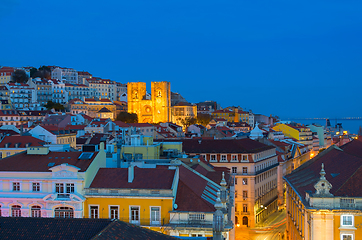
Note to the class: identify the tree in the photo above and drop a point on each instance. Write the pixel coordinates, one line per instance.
(33, 71)
(19, 76)
(203, 119)
(42, 72)
(127, 117)
(57, 106)
(187, 122)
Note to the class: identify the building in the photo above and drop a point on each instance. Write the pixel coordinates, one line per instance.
(325, 139)
(83, 76)
(43, 88)
(123, 193)
(323, 196)
(41, 183)
(301, 133)
(103, 88)
(77, 106)
(79, 91)
(21, 95)
(59, 120)
(183, 111)
(4, 93)
(254, 167)
(55, 135)
(70, 228)
(207, 107)
(11, 145)
(154, 110)
(94, 106)
(66, 75)
(59, 95)
(5, 74)
(120, 90)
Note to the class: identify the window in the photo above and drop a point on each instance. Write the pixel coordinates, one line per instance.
(70, 187)
(245, 158)
(113, 212)
(213, 158)
(16, 186)
(223, 158)
(245, 207)
(59, 187)
(245, 170)
(245, 181)
(245, 194)
(64, 212)
(196, 216)
(204, 156)
(347, 220)
(16, 211)
(346, 237)
(93, 211)
(36, 187)
(155, 215)
(35, 211)
(234, 158)
(234, 169)
(8, 154)
(135, 215)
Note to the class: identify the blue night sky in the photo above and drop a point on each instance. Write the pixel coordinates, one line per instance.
(288, 58)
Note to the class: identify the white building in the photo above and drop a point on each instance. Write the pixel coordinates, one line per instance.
(59, 95)
(104, 88)
(67, 75)
(41, 183)
(21, 95)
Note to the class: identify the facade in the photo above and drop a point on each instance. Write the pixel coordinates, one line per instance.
(207, 107)
(326, 203)
(40, 183)
(11, 145)
(123, 193)
(182, 111)
(43, 88)
(77, 106)
(121, 89)
(54, 135)
(154, 110)
(21, 95)
(5, 74)
(67, 75)
(59, 95)
(254, 168)
(4, 93)
(79, 91)
(300, 133)
(103, 88)
(83, 76)
(95, 105)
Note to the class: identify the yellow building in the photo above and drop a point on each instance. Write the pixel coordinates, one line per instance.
(141, 196)
(323, 196)
(11, 145)
(5, 74)
(182, 111)
(154, 109)
(300, 133)
(142, 147)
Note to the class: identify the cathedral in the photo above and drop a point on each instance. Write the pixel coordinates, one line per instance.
(154, 109)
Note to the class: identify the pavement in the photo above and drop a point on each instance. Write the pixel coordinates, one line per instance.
(272, 228)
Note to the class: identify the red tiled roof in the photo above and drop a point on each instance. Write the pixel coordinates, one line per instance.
(23, 162)
(157, 178)
(121, 124)
(21, 142)
(343, 171)
(203, 145)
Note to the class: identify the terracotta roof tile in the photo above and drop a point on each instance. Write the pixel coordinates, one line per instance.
(20, 142)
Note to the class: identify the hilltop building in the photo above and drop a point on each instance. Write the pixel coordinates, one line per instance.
(154, 110)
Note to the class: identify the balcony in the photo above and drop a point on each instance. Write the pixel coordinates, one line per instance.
(63, 197)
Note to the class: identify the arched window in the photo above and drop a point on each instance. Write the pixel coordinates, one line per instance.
(35, 211)
(16, 211)
(64, 212)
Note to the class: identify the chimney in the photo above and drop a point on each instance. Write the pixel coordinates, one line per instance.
(130, 173)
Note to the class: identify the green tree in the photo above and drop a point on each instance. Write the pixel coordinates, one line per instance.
(57, 106)
(203, 119)
(19, 76)
(127, 117)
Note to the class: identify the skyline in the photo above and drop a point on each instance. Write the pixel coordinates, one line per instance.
(254, 55)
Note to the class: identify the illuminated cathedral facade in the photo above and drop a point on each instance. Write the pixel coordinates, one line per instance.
(154, 109)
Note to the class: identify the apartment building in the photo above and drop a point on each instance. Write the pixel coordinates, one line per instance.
(5, 74)
(21, 95)
(67, 75)
(43, 88)
(254, 168)
(104, 88)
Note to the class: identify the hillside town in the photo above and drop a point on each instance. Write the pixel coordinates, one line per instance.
(78, 146)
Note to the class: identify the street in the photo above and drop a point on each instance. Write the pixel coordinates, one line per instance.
(272, 228)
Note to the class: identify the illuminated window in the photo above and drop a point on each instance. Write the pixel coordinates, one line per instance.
(245, 170)
(346, 237)
(234, 158)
